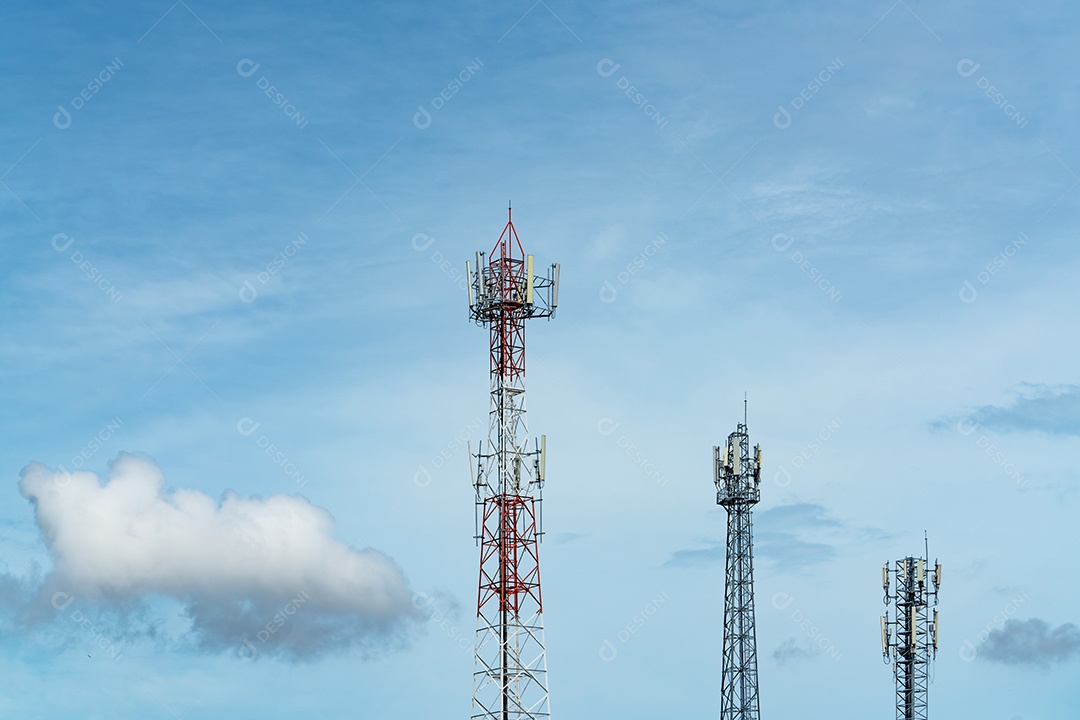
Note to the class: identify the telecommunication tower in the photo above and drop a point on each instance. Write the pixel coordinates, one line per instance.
(909, 637)
(738, 480)
(510, 669)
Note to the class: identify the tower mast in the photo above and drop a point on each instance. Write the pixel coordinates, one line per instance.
(909, 634)
(738, 478)
(510, 669)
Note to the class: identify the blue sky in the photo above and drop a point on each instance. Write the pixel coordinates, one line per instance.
(859, 214)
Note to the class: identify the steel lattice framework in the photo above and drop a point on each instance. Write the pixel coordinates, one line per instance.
(909, 636)
(738, 480)
(510, 671)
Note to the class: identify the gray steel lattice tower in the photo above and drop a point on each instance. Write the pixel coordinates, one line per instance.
(738, 480)
(510, 670)
(909, 638)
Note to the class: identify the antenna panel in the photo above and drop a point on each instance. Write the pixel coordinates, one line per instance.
(529, 280)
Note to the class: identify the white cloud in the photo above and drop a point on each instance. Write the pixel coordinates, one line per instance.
(233, 565)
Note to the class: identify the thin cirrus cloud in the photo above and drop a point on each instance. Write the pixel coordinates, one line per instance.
(258, 576)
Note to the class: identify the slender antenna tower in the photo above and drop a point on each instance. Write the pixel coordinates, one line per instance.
(909, 637)
(510, 670)
(738, 480)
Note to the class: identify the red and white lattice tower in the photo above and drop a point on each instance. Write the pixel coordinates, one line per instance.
(510, 672)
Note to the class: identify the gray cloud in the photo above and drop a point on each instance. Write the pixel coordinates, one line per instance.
(791, 651)
(1032, 642)
(263, 577)
(803, 515)
(715, 553)
(1052, 409)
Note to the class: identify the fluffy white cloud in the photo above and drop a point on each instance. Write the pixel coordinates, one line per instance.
(239, 567)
